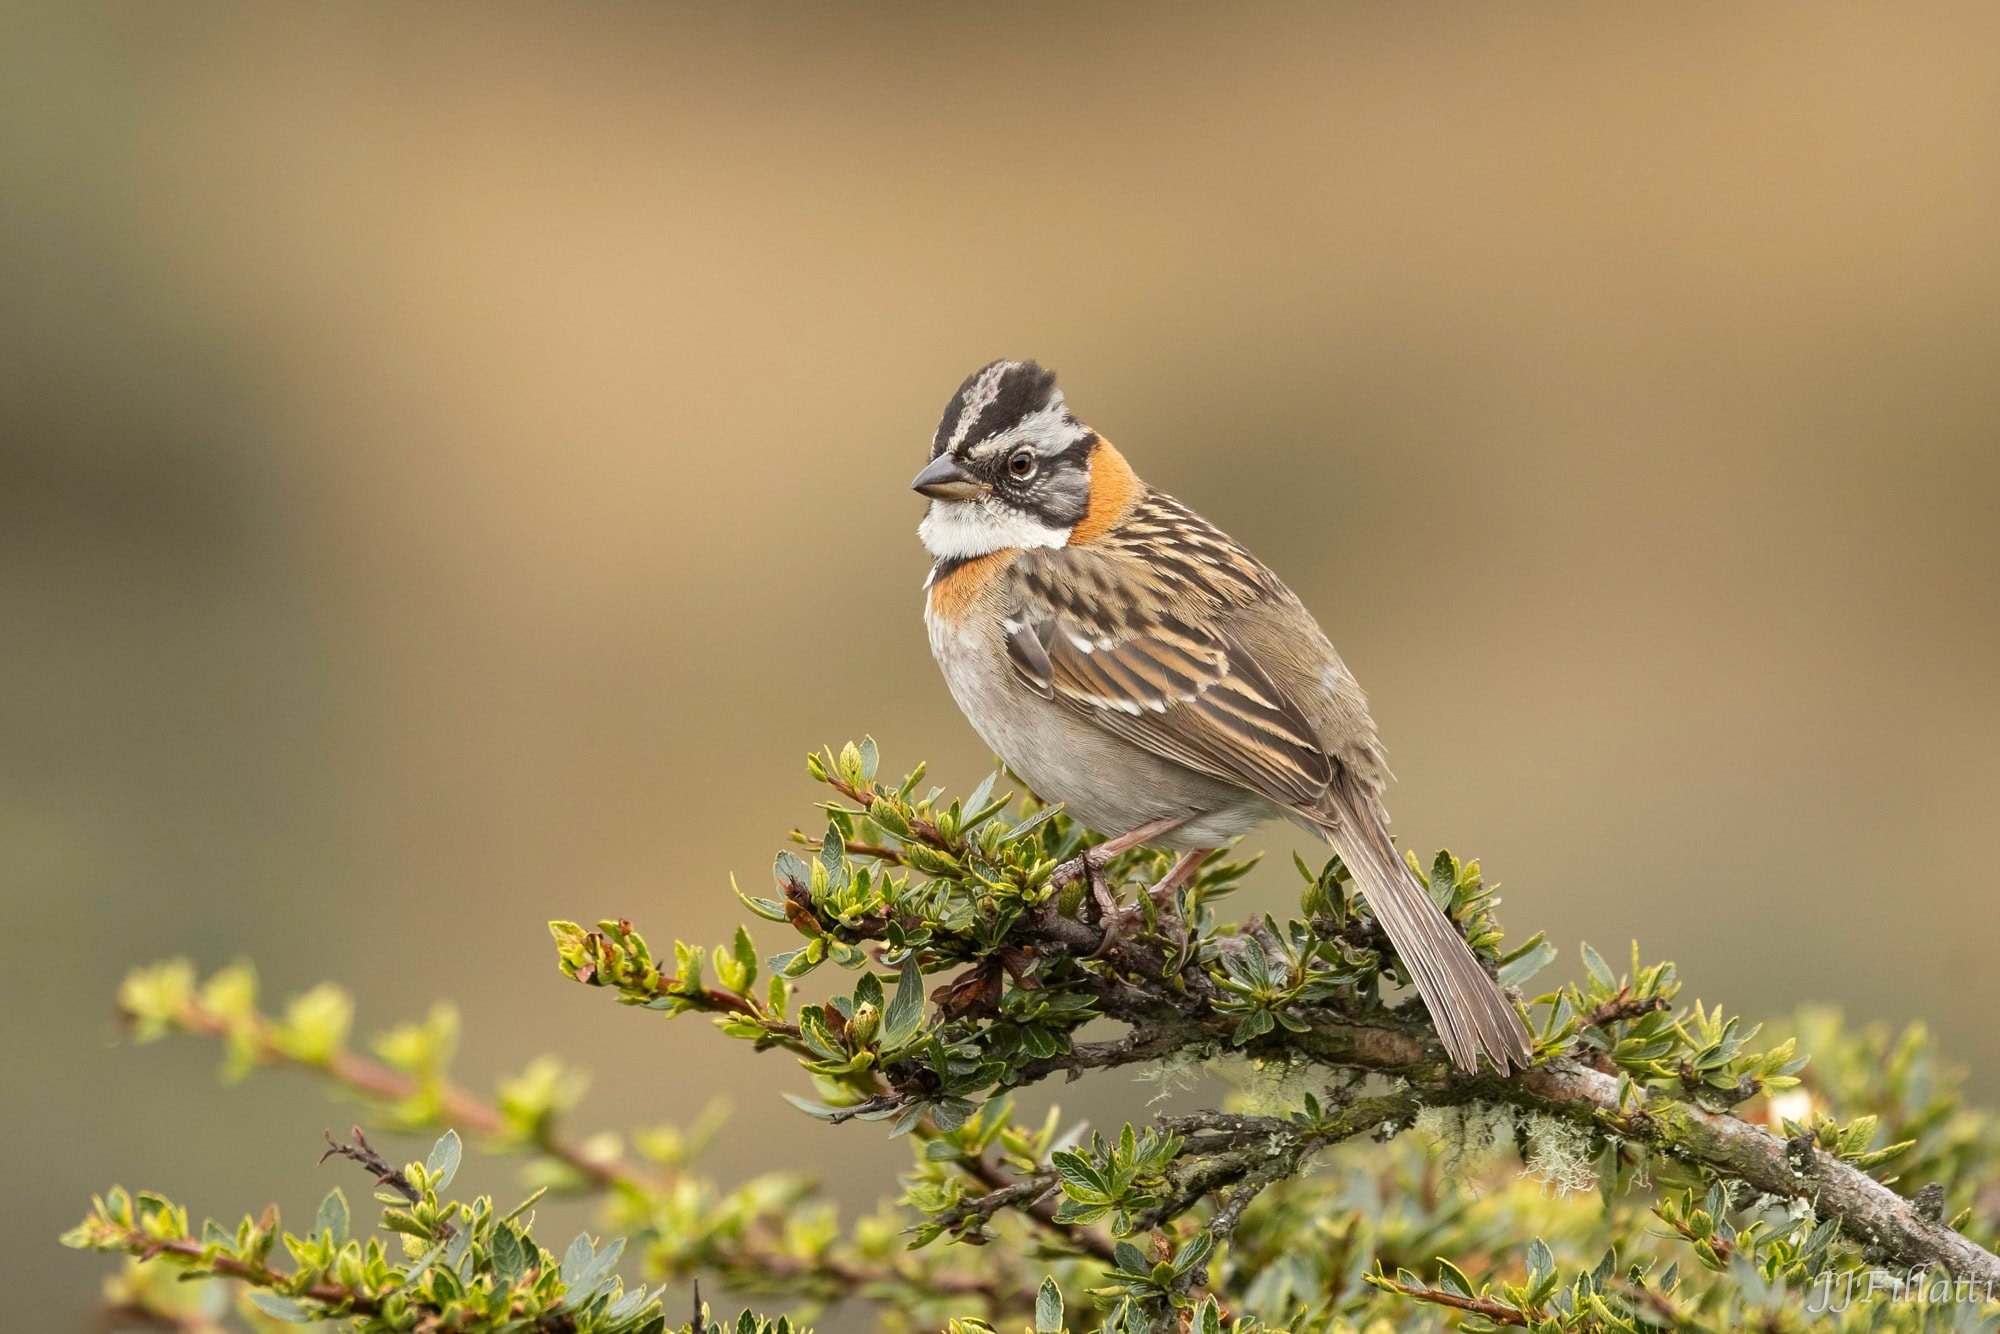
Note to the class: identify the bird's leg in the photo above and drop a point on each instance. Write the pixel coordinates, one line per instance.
(1114, 919)
(1131, 839)
(1110, 916)
(1181, 873)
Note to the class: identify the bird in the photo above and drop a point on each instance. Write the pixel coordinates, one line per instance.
(1128, 659)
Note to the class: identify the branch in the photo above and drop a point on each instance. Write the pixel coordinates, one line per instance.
(362, 1152)
(741, 1257)
(1498, 1313)
(1614, 1058)
(1034, 1196)
(1887, 1226)
(354, 1300)
(379, 1083)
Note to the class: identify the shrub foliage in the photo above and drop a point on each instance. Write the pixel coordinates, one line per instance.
(1663, 1165)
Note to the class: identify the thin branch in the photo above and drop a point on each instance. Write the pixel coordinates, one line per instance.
(1623, 1006)
(837, 1277)
(1498, 1313)
(362, 1152)
(380, 1083)
(1241, 1155)
(1040, 1207)
(354, 1301)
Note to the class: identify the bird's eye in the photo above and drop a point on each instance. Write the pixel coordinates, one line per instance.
(1021, 464)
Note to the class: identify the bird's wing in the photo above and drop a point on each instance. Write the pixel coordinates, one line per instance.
(1139, 643)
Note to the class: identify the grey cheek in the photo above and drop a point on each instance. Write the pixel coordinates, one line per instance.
(1066, 499)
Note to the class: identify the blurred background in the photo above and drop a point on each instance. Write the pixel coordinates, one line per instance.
(453, 465)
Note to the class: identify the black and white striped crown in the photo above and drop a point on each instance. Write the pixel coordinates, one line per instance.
(996, 399)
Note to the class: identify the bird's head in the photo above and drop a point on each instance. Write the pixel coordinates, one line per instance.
(1010, 466)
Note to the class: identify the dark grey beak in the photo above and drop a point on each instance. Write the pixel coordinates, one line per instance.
(943, 479)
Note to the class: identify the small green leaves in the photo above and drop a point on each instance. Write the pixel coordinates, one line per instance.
(1631, 1022)
(1138, 1290)
(1519, 966)
(1118, 1179)
(1601, 976)
(462, 1267)
(736, 967)
(977, 947)
(331, 1222)
(316, 1025)
(1270, 978)
(442, 1165)
(1592, 1302)
(531, 1102)
(768, 909)
(1048, 1308)
(585, 1269)
(905, 1014)
(153, 999)
(282, 1308)
(1790, 1247)
(1541, 1264)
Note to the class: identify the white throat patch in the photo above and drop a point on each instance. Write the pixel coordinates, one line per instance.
(962, 529)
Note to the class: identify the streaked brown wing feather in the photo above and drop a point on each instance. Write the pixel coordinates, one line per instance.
(1234, 726)
(1161, 670)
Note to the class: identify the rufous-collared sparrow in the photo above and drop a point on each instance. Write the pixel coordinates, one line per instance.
(1128, 659)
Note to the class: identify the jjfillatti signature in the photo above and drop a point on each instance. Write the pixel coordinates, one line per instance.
(1835, 1292)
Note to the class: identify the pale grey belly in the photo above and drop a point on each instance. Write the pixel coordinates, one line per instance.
(1103, 781)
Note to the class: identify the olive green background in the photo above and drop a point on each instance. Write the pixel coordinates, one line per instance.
(453, 465)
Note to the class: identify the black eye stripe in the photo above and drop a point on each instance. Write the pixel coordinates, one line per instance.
(1077, 454)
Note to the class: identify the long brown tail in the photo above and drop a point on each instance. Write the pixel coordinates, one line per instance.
(1471, 1014)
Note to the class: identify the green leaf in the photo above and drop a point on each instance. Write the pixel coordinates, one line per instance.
(905, 1014)
(510, 1256)
(1031, 824)
(981, 794)
(1080, 1179)
(442, 1165)
(817, 1109)
(576, 1260)
(1048, 1308)
(1250, 1026)
(1518, 970)
(789, 870)
(948, 1114)
(599, 1272)
(1541, 1261)
(430, 1257)
(833, 854)
(797, 963)
(1069, 1211)
(870, 757)
(1452, 1279)
(332, 1216)
(626, 1306)
(768, 909)
(1600, 971)
(281, 1308)
(1193, 1253)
